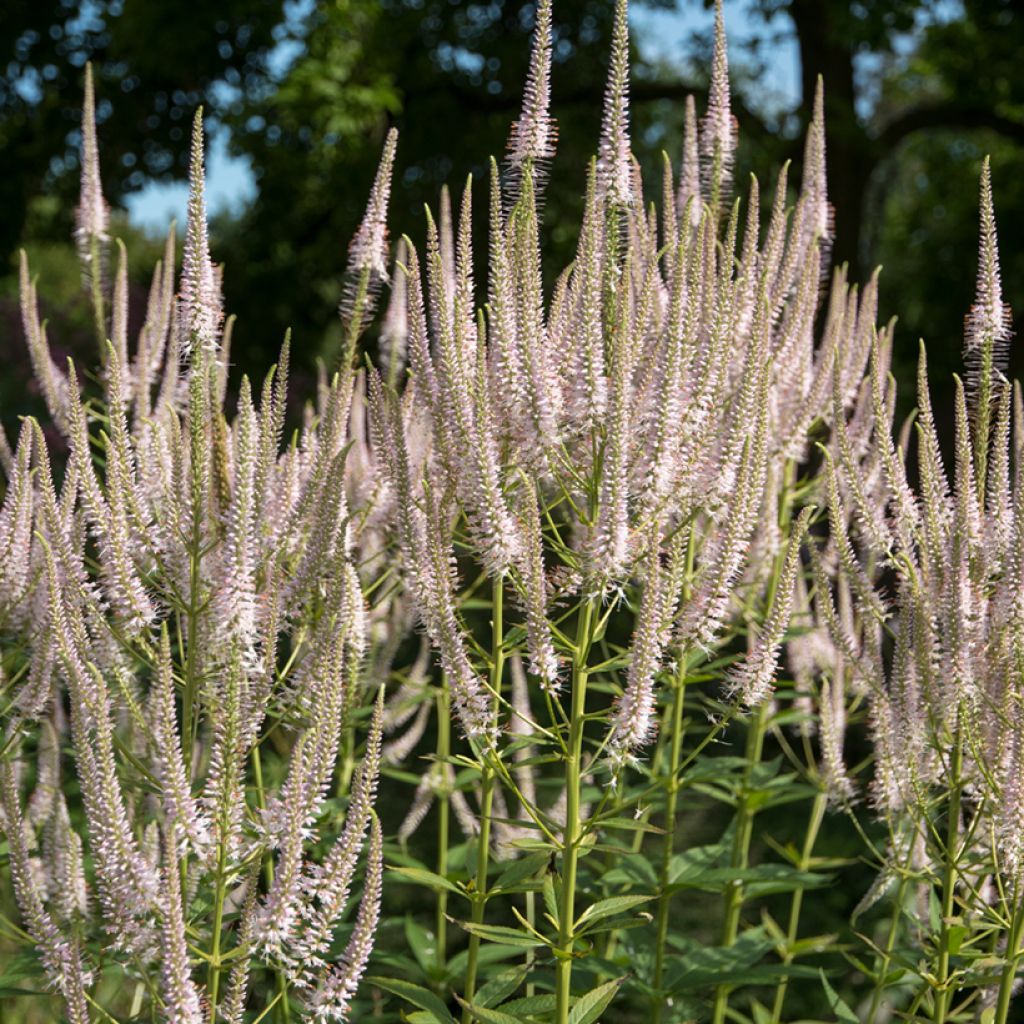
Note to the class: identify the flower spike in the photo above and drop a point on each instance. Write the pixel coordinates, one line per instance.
(92, 218)
(369, 247)
(532, 138)
(718, 131)
(201, 313)
(614, 164)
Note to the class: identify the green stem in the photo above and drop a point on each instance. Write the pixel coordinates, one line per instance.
(796, 902)
(443, 809)
(672, 786)
(281, 1000)
(96, 294)
(486, 802)
(1013, 954)
(571, 832)
(213, 983)
(944, 998)
(531, 917)
(197, 409)
(890, 945)
(740, 850)
(745, 812)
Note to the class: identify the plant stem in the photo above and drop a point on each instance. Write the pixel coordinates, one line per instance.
(796, 902)
(1013, 953)
(740, 849)
(213, 984)
(283, 1010)
(571, 832)
(531, 917)
(96, 295)
(671, 799)
(890, 945)
(945, 994)
(486, 801)
(443, 810)
(755, 744)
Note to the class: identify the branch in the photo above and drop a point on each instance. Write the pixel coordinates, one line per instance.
(950, 114)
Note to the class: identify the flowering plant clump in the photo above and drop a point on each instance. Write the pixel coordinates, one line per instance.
(612, 506)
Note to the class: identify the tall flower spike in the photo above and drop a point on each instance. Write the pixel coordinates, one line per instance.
(718, 131)
(614, 165)
(181, 997)
(394, 331)
(532, 138)
(817, 217)
(753, 679)
(331, 1000)
(200, 296)
(633, 720)
(369, 247)
(92, 218)
(988, 323)
(61, 959)
(986, 329)
(688, 196)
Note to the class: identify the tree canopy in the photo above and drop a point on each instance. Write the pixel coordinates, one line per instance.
(914, 98)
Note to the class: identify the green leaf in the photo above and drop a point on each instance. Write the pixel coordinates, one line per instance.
(589, 1007)
(501, 986)
(522, 868)
(422, 944)
(529, 1006)
(499, 933)
(609, 907)
(758, 974)
(550, 897)
(710, 965)
(421, 876)
(488, 1016)
(416, 995)
(629, 825)
(634, 867)
(956, 935)
(844, 1015)
(488, 953)
(696, 861)
(763, 880)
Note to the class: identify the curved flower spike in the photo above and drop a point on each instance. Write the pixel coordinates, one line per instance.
(368, 249)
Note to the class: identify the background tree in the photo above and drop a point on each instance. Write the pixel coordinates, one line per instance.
(916, 92)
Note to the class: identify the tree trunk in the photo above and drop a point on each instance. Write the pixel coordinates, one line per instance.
(826, 50)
